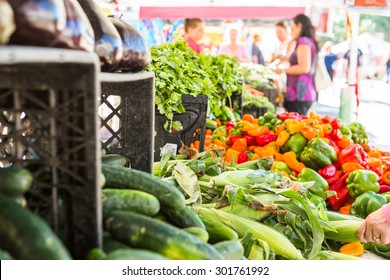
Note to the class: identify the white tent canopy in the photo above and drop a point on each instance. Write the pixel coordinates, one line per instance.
(365, 40)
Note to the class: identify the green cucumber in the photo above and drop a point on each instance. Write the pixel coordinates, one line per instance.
(230, 249)
(4, 255)
(15, 181)
(183, 218)
(201, 233)
(125, 178)
(211, 124)
(96, 254)
(129, 200)
(218, 231)
(26, 236)
(114, 159)
(144, 232)
(110, 244)
(134, 254)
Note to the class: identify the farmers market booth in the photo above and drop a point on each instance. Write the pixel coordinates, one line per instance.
(111, 150)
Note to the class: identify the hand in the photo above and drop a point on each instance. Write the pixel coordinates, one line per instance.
(375, 228)
(278, 71)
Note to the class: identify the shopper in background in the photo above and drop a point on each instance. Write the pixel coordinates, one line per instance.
(194, 30)
(388, 70)
(376, 227)
(257, 55)
(301, 91)
(329, 58)
(286, 43)
(234, 49)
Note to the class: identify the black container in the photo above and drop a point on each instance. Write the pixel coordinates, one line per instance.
(193, 121)
(235, 102)
(48, 124)
(127, 117)
(255, 111)
(271, 93)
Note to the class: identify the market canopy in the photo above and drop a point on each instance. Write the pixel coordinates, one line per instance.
(365, 40)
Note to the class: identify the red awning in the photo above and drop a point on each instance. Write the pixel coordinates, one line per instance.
(220, 12)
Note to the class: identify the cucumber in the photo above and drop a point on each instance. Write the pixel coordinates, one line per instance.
(134, 254)
(144, 232)
(183, 218)
(129, 200)
(15, 181)
(125, 178)
(4, 255)
(96, 254)
(211, 124)
(110, 244)
(230, 249)
(26, 236)
(201, 233)
(217, 231)
(114, 159)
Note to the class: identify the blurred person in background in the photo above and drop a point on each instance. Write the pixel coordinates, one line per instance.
(257, 55)
(301, 91)
(329, 58)
(234, 49)
(286, 43)
(194, 30)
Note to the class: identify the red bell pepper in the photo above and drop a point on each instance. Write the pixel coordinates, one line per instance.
(243, 157)
(353, 153)
(229, 125)
(336, 134)
(327, 171)
(378, 172)
(334, 122)
(265, 139)
(342, 194)
(285, 115)
(335, 177)
(250, 140)
(233, 139)
(384, 188)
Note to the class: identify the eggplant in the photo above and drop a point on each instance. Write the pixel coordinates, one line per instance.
(136, 53)
(7, 25)
(108, 42)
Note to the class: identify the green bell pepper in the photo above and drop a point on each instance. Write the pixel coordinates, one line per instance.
(361, 181)
(236, 132)
(279, 166)
(320, 185)
(269, 120)
(387, 196)
(296, 143)
(359, 133)
(345, 131)
(367, 203)
(318, 154)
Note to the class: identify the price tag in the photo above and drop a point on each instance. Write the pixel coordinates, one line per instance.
(169, 148)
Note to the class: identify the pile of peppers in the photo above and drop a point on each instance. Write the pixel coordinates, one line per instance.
(345, 168)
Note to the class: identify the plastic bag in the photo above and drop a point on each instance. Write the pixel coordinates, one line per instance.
(38, 23)
(78, 28)
(108, 43)
(322, 79)
(7, 25)
(136, 53)
(51, 23)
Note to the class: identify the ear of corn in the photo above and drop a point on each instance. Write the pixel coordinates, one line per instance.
(331, 255)
(346, 231)
(277, 242)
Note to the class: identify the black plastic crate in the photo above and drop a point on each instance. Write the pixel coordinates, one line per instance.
(193, 121)
(235, 102)
(48, 124)
(127, 117)
(255, 111)
(271, 93)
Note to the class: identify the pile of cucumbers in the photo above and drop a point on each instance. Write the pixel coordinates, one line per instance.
(144, 217)
(23, 234)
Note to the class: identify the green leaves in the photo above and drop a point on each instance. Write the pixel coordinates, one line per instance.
(179, 70)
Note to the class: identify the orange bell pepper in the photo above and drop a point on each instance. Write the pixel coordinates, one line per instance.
(309, 132)
(351, 166)
(353, 249)
(231, 155)
(209, 132)
(218, 122)
(265, 151)
(248, 117)
(246, 126)
(326, 140)
(345, 209)
(279, 128)
(294, 128)
(374, 162)
(260, 130)
(240, 145)
(197, 145)
(327, 128)
(310, 122)
(344, 142)
(321, 132)
(207, 140)
(282, 138)
(290, 158)
(278, 156)
(220, 143)
(315, 116)
(375, 154)
(386, 178)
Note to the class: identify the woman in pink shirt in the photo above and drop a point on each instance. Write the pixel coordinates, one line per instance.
(233, 49)
(194, 30)
(376, 227)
